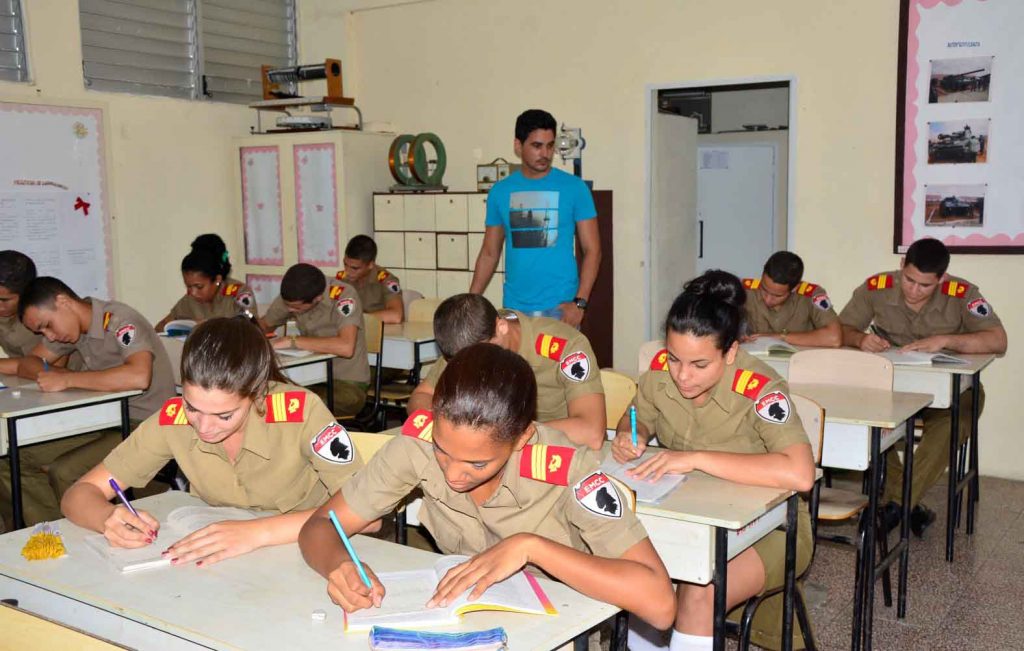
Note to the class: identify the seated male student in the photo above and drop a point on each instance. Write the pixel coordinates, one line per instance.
(330, 320)
(570, 396)
(379, 289)
(120, 351)
(781, 304)
(921, 307)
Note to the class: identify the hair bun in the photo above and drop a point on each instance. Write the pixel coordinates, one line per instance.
(210, 242)
(718, 285)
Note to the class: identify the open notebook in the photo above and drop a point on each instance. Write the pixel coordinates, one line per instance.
(404, 605)
(768, 347)
(916, 358)
(179, 327)
(180, 522)
(646, 491)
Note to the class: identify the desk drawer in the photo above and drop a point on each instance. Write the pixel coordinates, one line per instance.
(419, 213)
(388, 213)
(452, 251)
(476, 210)
(390, 249)
(450, 212)
(420, 251)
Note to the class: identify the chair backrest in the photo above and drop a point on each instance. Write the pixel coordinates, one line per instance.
(647, 352)
(841, 366)
(619, 391)
(174, 348)
(422, 309)
(409, 296)
(812, 416)
(368, 443)
(374, 333)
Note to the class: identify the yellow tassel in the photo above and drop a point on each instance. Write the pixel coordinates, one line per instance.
(43, 546)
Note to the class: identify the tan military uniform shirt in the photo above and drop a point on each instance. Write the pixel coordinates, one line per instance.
(807, 308)
(561, 359)
(572, 504)
(956, 307)
(116, 333)
(749, 411)
(340, 307)
(294, 455)
(376, 290)
(234, 297)
(16, 339)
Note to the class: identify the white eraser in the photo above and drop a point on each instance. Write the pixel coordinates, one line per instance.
(319, 615)
(16, 393)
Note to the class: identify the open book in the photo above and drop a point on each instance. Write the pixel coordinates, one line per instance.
(917, 358)
(768, 347)
(646, 491)
(179, 327)
(408, 592)
(180, 522)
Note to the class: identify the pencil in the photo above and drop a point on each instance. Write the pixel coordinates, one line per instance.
(632, 423)
(348, 546)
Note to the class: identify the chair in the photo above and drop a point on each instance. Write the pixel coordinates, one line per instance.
(368, 443)
(409, 296)
(383, 395)
(646, 354)
(422, 309)
(619, 391)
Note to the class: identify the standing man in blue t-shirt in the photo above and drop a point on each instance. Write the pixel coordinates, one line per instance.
(535, 212)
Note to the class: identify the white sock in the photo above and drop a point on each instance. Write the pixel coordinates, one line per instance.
(644, 637)
(684, 642)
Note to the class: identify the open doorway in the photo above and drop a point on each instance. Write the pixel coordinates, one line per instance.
(719, 175)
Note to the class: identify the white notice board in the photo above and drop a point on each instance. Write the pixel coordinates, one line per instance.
(54, 205)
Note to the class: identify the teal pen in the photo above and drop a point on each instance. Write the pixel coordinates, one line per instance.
(632, 423)
(348, 546)
(46, 365)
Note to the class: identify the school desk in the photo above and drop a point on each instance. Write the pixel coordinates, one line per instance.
(29, 415)
(407, 346)
(24, 630)
(262, 600)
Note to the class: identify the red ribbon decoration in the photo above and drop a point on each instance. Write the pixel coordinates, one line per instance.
(82, 205)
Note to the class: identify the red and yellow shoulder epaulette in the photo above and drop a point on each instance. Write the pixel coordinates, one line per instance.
(751, 283)
(106, 320)
(550, 346)
(230, 289)
(546, 463)
(806, 289)
(286, 407)
(748, 383)
(660, 360)
(881, 281)
(335, 292)
(382, 275)
(955, 288)
(419, 425)
(341, 275)
(173, 413)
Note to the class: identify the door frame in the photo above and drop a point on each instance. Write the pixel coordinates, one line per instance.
(651, 105)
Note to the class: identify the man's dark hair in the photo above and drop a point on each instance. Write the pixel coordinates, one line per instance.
(463, 320)
(785, 268)
(42, 292)
(16, 271)
(930, 256)
(362, 248)
(302, 282)
(531, 120)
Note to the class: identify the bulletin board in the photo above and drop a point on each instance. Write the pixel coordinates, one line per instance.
(54, 205)
(959, 136)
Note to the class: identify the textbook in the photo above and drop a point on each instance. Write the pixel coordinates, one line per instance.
(180, 522)
(916, 358)
(648, 492)
(768, 347)
(179, 327)
(408, 592)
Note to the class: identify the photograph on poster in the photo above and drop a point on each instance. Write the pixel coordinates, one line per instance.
(965, 79)
(954, 205)
(958, 141)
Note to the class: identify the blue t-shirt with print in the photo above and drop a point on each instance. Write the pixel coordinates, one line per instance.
(539, 217)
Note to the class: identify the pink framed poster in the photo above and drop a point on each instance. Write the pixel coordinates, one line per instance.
(266, 287)
(261, 205)
(316, 204)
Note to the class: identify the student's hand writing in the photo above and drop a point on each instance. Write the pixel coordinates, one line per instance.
(751, 337)
(123, 529)
(872, 343)
(218, 541)
(571, 314)
(483, 570)
(670, 462)
(622, 447)
(346, 588)
(281, 342)
(928, 344)
(53, 380)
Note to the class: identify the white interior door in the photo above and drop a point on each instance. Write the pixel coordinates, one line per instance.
(673, 211)
(735, 208)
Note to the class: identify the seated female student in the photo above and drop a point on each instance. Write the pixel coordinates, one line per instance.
(721, 411)
(241, 435)
(209, 290)
(489, 473)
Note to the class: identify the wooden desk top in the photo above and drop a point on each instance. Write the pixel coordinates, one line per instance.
(33, 401)
(857, 406)
(414, 331)
(25, 630)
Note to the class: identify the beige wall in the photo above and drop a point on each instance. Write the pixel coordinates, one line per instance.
(471, 65)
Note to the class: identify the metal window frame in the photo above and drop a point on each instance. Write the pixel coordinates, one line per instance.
(24, 70)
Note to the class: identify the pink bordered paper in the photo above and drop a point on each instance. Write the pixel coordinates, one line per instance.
(316, 204)
(261, 205)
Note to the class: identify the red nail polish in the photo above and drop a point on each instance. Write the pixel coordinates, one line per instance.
(152, 533)
(199, 563)
(174, 560)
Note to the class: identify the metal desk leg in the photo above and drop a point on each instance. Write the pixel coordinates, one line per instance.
(619, 631)
(126, 423)
(581, 642)
(12, 451)
(908, 476)
(719, 582)
(789, 593)
(330, 384)
(975, 488)
(954, 445)
(870, 535)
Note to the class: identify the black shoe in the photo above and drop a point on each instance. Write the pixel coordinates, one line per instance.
(891, 514)
(921, 517)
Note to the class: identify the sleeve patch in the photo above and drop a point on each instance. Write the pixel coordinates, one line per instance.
(341, 275)
(286, 407)
(382, 275)
(173, 413)
(106, 320)
(393, 286)
(597, 494)
(822, 302)
(773, 407)
(806, 289)
(549, 346)
(126, 335)
(333, 444)
(546, 463)
(576, 366)
(660, 360)
(955, 288)
(335, 292)
(748, 383)
(751, 283)
(419, 425)
(881, 281)
(244, 300)
(230, 289)
(980, 307)
(346, 306)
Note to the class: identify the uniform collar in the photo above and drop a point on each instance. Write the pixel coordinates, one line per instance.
(99, 308)
(255, 439)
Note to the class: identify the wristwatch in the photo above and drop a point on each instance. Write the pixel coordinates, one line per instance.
(581, 302)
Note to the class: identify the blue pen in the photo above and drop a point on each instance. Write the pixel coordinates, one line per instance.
(46, 365)
(348, 546)
(124, 498)
(632, 423)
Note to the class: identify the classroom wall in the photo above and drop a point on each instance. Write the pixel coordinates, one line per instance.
(465, 68)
